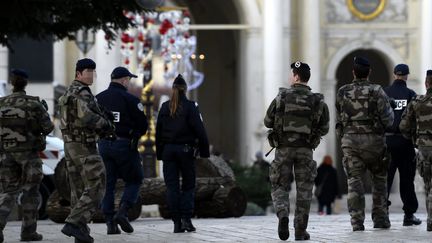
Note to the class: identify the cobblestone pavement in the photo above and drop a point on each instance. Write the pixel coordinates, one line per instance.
(333, 228)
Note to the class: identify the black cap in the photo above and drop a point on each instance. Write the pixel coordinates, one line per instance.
(300, 65)
(120, 72)
(85, 63)
(401, 69)
(179, 80)
(20, 73)
(429, 73)
(361, 61)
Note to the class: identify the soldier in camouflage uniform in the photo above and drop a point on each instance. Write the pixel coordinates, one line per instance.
(299, 118)
(363, 114)
(416, 124)
(82, 122)
(24, 123)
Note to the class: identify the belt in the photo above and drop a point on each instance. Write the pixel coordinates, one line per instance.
(78, 138)
(393, 134)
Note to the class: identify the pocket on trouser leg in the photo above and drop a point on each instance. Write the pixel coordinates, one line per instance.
(95, 176)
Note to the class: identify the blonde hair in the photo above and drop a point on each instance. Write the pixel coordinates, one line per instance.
(174, 104)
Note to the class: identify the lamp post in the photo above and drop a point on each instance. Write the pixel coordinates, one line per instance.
(85, 39)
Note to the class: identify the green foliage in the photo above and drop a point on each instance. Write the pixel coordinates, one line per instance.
(39, 19)
(254, 183)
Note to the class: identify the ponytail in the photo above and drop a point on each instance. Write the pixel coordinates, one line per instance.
(174, 104)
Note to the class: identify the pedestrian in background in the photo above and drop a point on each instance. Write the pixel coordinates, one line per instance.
(82, 122)
(401, 149)
(416, 124)
(298, 119)
(120, 155)
(24, 123)
(363, 114)
(179, 132)
(326, 185)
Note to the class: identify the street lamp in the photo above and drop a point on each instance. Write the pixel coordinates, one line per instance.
(85, 40)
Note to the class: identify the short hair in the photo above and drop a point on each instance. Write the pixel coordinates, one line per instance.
(19, 83)
(429, 80)
(361, 71)
(303, 73)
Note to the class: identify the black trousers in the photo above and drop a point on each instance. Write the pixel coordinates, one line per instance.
(179, 160)
(402, 159)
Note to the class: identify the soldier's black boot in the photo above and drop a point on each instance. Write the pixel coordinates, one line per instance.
(410, 219)
(112, 228)
(178, 226)
(382, 224)
(86, 229)
(187, 225)
(283, 230)
(80, 233)
(358, 227)
(429, 226)
(29, 233)
(121, 218)
(301, 234)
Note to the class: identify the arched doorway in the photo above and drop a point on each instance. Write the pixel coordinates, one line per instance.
(381, 74)
(218, 95)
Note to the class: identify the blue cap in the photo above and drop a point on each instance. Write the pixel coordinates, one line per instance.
(401, 69)
(361, 61)
(179, 80)
(300, 65)
(120, 72)
(85, 63)
(20, 72)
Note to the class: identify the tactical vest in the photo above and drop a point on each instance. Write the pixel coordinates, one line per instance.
(296, 115)
(424, 120)
(358, 114)
(19, 128)
(73, 129)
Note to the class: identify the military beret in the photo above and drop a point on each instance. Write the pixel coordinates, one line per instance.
(401, 69)
(85, 63)
(300, 65)
(20, 73)
(179, 80)
(361, 61)
(120, 72)
(429, 73)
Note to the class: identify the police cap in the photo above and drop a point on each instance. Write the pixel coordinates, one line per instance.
(179, 80)
(429, 73)
(85, 63)
(20, 73)
(361, 61)
(401, 69)
(300, 65)
(121, 72)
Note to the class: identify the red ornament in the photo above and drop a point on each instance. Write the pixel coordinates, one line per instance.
(125, 38)
(107, 37)
(131, 39)
(122, 47)
(186, 35)
(186, 13)
(172, 41)
(131, 48)
(127, 61)
(141, 37)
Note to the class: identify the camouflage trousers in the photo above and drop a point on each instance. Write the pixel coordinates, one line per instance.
(424, 165)
(305, 170)
(87, 176)
(363, 152)
(20, 172)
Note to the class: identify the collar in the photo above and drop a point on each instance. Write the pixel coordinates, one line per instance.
(300, 86)
(17, 93)
(360, 80)
(400, 82)
(114, 85)
(79, 82)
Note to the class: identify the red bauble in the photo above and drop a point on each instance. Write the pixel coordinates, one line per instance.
(131, 48)
(141, 37)
(131, 39)
(125, 38)
(127, 61)
(186, 35)
(122, 47)
(172, 41)
(186, 13)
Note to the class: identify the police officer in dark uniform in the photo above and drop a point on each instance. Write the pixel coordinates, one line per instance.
(120, 156)
(179, 132)
(402, 150)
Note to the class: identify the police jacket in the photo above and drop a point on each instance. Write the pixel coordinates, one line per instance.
(128, 111)
(402, 96)
(186, 127)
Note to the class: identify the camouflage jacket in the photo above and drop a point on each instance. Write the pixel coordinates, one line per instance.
(416, 123)
(24, 123)
(81, 116)
(299, 117)
(362, 108)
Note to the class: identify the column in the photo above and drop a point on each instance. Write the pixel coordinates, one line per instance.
(273, 48)
(309, 26)
(426, 40)
(4, 61)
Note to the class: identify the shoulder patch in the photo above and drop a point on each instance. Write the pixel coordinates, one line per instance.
(140, 106)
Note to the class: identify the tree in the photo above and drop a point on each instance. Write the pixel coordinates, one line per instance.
(39, 19)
